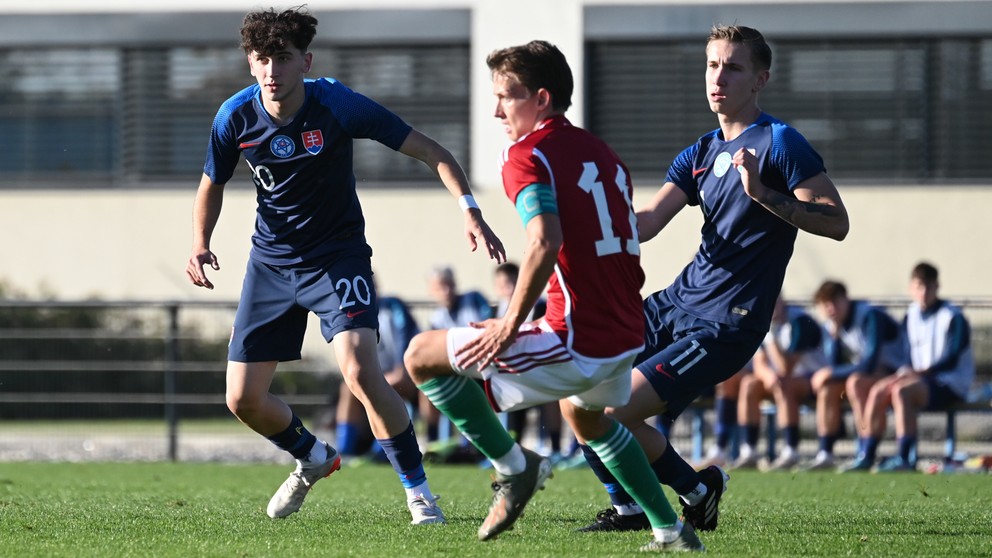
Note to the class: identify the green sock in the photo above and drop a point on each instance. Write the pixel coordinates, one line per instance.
(462, 401)
(623, 456)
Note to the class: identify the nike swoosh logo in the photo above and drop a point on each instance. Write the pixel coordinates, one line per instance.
(353, 314)
(249, 144)
(661, 369)
(697, 172)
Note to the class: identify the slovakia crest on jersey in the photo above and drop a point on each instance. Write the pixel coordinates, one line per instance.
(313, 141)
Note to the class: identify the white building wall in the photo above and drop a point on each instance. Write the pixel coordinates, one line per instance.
(134, 244)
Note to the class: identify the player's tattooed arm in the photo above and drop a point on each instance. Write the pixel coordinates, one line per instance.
(816, 209)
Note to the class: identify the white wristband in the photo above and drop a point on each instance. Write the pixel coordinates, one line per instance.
(467, 202)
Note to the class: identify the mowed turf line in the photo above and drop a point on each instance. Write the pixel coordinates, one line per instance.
(165, 509)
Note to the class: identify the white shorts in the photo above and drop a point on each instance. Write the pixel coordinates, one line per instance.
(538, 369)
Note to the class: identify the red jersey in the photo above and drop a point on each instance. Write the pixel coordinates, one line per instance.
(594, 295)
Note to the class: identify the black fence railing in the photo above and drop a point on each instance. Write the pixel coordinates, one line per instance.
(164, 362)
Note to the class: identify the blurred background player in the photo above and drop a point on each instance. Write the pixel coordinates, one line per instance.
(862, 346)
(939, 374)
(548, 427)
(791, 352)
(452, 309)
(757, 182)
(725, 402)
(309, 252)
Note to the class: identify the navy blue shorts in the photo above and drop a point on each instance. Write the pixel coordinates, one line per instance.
(940, 396)
(275, 301)
(685, 355)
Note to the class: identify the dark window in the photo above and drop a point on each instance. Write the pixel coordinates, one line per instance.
(877, 111)
(139, 117)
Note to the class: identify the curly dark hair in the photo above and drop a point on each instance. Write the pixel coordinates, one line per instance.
(267, 32)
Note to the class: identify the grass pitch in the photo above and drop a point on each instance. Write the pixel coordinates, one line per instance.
(198, 509)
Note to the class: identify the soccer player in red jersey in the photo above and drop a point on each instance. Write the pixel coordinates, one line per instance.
(574, 198)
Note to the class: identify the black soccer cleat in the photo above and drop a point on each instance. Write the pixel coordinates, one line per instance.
(704, 515)
(610, 520)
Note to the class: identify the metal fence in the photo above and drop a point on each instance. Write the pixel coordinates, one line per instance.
(142, 380)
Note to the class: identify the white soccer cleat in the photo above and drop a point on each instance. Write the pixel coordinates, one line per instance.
(289, 498)
(425, 511)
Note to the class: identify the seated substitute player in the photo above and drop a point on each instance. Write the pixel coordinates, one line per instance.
(758, 182)
(862, 345)
(791, 352)
(309, 252)
(939, 374)
(561, 178)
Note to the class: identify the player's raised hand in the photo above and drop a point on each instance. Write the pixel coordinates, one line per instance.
(476, 228)
(194, 267)
(496, 337)
(747, 164)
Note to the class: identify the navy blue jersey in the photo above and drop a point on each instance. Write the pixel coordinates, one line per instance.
(740, 266)
(307, 205)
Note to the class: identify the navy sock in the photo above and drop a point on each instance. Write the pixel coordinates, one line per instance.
(346, 438)
(827, 442)
(296, 439)
(726, 421)
(618, 496)
(404, 454)
(751, 434)
(869, 448)
(907, 449)
(673, 471)
(791, 434)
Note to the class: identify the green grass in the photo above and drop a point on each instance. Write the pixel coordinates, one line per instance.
(165, 509)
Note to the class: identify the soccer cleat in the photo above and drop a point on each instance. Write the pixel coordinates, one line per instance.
(822, 462)
(687, 541)
(894, 464)
(289, 498)
(511, 493)
(749, 461)
(610, 520)
(425, 511)
(706, 513)
(784, 462)
(859, 463)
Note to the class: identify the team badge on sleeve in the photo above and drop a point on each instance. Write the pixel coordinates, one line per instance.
(313, 141)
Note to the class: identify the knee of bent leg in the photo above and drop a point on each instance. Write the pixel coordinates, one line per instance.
(242, 403)
(427, 356)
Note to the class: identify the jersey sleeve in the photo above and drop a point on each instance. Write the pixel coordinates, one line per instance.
(520, 170)
(360, 116)
(222, 149)
(793, 156)
(680, 173)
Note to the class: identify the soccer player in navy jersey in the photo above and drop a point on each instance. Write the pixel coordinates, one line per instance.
(758, 182)
(309, 252)
(573, 196)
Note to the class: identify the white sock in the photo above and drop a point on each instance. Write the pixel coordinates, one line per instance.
(317, 455)
(696, 495)
(667, 534)
(513, 463)
(420, 490)
(629, 509)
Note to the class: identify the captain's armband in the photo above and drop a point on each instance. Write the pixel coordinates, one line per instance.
(536, 199)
